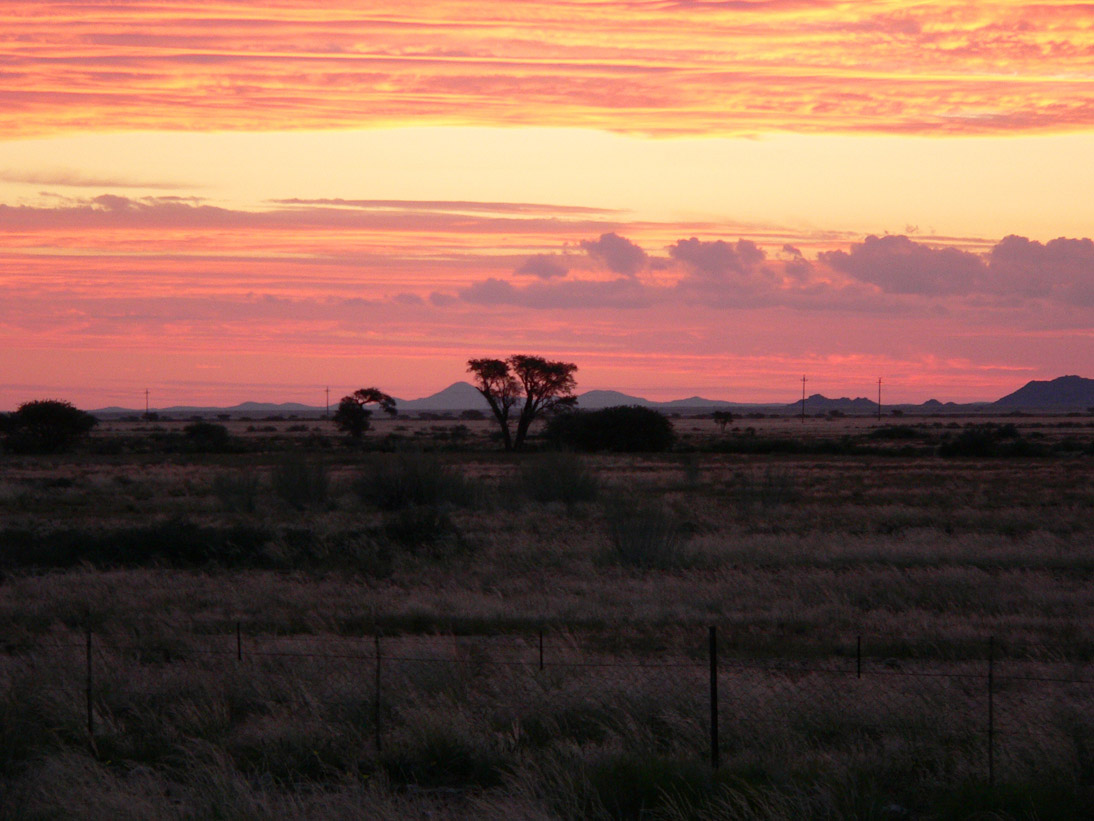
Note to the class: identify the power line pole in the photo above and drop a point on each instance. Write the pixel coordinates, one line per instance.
(326, 414)
(879, 399)
(803, 398)
(146, 401)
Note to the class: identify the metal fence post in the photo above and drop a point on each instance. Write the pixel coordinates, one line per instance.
(376, 705)
(991, 711)
(714, 757)
(90, 689)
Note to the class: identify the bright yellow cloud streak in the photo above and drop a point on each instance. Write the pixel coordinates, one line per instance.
(650, 67)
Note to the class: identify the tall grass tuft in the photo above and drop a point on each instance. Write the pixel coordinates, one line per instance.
(394, 481)
(300, 482)
(645, 536)
(558, 477)
(774, 487)
(237, 492)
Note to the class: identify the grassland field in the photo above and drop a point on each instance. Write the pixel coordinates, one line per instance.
(461, 557)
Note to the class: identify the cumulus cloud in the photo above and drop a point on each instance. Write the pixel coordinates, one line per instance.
(899, 265)
(623, 292)
(1015, 268)
(544, 266)
(617, 253)
(1061, 267)
(718, 259)
(725, 272)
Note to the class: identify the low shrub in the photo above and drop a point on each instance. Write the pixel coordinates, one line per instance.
(621, 429)
(300, 482)
(558, 477)
(206, 437)
(236, 492)
(983, 441)
(45, 426)
(424, 528)
(774, 486)
(393, 481)
(645, 536)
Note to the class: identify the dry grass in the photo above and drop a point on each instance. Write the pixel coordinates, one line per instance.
(791, 556)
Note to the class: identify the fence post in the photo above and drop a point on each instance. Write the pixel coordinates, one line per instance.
(991, 711)
(714, 697)
(376, 705)
(90, 689)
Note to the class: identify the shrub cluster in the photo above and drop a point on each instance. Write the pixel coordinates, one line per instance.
(558, 477)
(620, 429)
(45, 426)
(990, 440)
(393, 481)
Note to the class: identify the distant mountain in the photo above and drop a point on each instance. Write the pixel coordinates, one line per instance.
(595, 400)
(1064, 392)
(458, 396)
(818, 403)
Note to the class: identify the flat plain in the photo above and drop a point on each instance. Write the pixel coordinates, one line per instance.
(899, 633)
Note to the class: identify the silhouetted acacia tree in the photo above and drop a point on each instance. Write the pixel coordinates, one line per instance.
(353, 417)
(722, 418)
(538, 385)
(45, 426)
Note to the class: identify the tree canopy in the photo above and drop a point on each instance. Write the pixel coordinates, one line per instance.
(538, 385)
(45, 426)
(353, 417)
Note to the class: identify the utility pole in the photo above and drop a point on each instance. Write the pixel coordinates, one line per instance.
(146, 402)
(326, 415)
(803, 398)
(879, 399)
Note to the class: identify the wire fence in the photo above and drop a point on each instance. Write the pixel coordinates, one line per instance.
(1002, 714)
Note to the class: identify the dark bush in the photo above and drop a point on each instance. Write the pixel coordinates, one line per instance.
(424, 529)
(301, 483)
(45, 426)
(558, 477)
(989, 441)
(620, 429)
(206, 437)
(392, 481)
(172, 542)
(895, 432)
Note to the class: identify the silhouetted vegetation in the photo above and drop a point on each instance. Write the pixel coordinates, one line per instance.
(207, 437)
(352, 416)
(301, 482)
(620, 429)
(642, 535)
(45, 426)
(537, 385)
(990, 441)
(558, 477)
(392, 481)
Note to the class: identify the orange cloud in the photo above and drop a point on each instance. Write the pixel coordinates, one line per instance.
(650, 66)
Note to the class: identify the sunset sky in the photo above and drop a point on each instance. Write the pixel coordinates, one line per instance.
(223, 201)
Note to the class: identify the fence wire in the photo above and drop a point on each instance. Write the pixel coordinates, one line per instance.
(982, 718)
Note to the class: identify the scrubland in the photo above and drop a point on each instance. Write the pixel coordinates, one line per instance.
(234, 598)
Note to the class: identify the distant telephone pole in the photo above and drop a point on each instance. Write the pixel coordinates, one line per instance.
(326, 414)
(146, 402)
(803, 398)
(879, 399)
